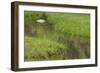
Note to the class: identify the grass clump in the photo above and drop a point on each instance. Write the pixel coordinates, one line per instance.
(41, 48)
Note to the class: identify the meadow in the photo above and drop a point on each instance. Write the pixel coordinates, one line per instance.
(60, 36)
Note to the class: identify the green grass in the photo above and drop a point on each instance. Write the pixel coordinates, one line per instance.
(73, 24)
(41, 47)
(63, 36)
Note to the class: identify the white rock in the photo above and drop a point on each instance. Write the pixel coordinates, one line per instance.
(41, 21)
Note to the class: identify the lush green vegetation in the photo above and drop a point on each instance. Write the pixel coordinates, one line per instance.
(62, 36)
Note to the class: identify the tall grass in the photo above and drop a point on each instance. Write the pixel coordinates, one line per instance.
(42, 49)
(62, 36)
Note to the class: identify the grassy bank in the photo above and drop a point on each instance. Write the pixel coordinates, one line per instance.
(62, 36)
